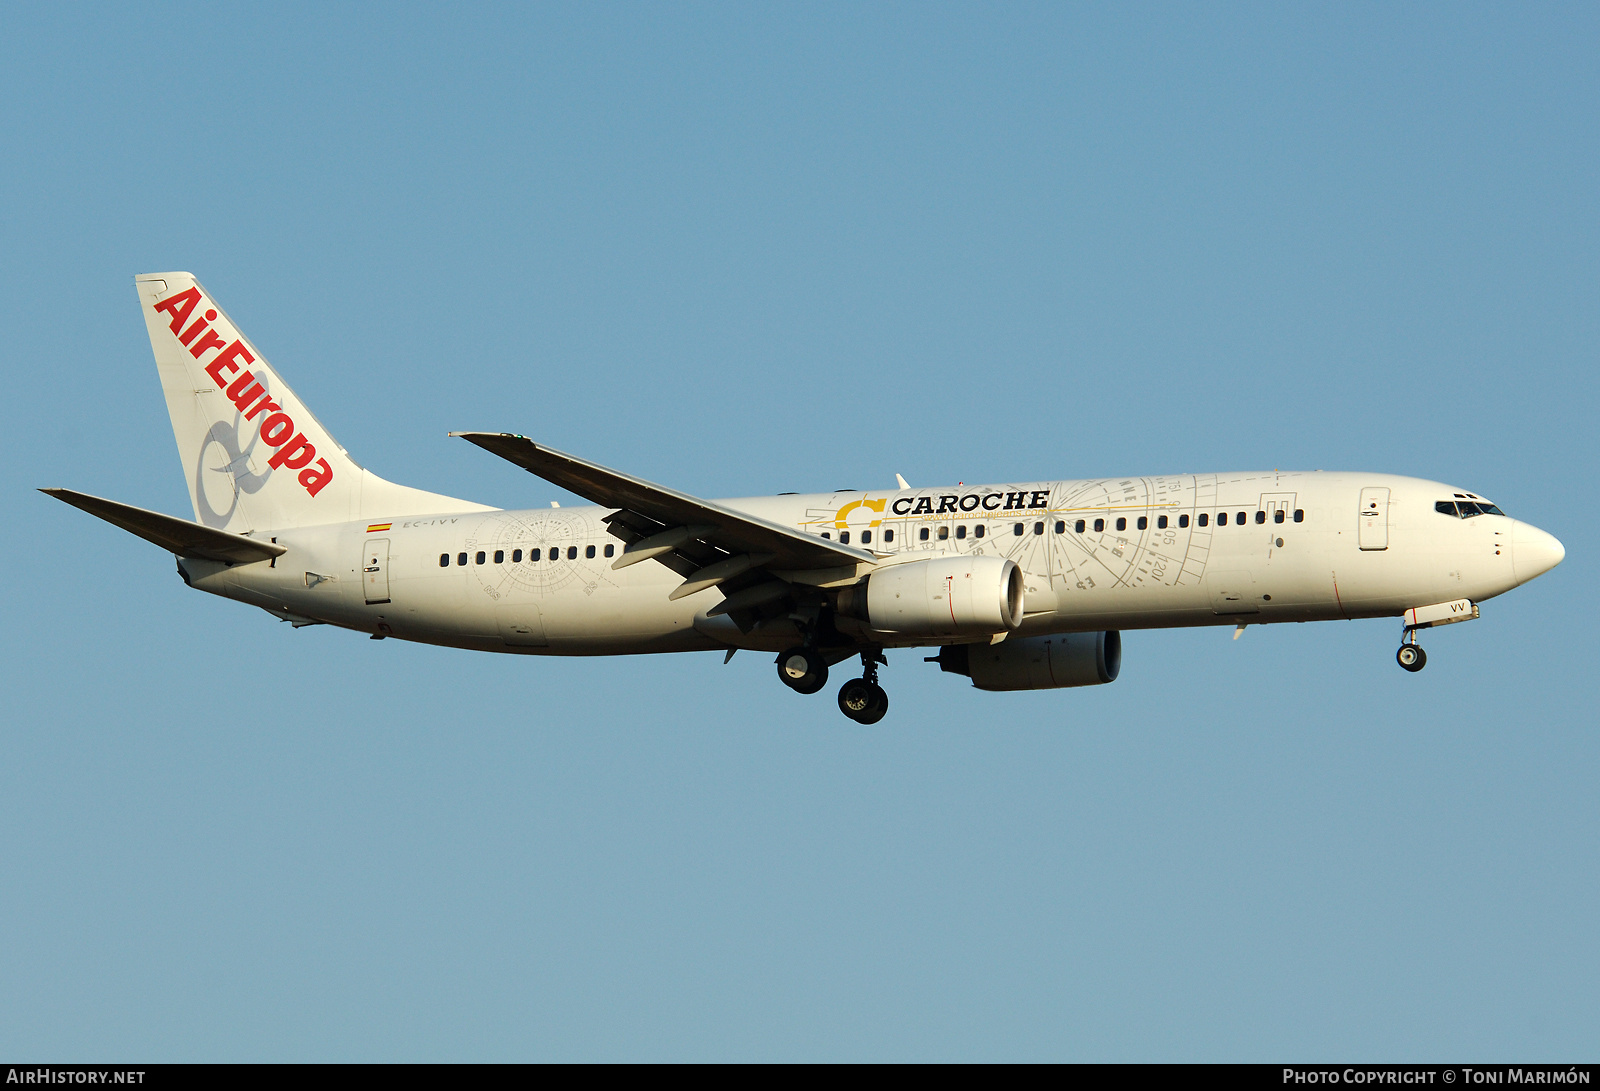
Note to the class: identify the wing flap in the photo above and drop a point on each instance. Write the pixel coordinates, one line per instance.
(175, 535)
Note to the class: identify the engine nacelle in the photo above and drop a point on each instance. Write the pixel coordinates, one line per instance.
(942, 596)
(1038, 662)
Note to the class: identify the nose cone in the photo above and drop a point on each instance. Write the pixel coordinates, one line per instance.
(1533, 552)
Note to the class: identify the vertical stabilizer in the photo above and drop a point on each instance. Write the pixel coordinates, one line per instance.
(255, 457)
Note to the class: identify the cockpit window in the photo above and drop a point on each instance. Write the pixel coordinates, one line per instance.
(1466, 509)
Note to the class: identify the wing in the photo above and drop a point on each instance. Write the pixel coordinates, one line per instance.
(751, 559)
(175, 535)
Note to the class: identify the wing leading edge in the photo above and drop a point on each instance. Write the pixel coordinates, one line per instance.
(753, 561)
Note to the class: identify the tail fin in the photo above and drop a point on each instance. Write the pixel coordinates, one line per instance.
(255, 456)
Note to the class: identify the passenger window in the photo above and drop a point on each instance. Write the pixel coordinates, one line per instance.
(1161, 522)
(1122, 524)
(572, 553)
(1222, 518)
(1240, 520)
(611, 549)
(923, 534)
(1261, 517)
(844, 537)
(444, 560)
(961, 531)
(588, 551)
(499, 556)
(1144, 523)
(1016, 529)
(978, 531)
(1299, 515)
(1038, 528)
(888, 535)
(533, 556)
(1204, 518)
(1061, 526)
(555, 554)
(480, 558)
(1099, 525)
(944, 533)
(1183, 520)
(1277, 516)
(825, 534)
(866, 537)
(1078, 526)
(516, 556)
(461, 558)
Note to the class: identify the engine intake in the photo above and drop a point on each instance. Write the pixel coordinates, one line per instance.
(943, 596)
(1038, 662)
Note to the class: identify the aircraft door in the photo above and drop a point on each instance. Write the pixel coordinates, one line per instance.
(1374, 519)
(375, 571)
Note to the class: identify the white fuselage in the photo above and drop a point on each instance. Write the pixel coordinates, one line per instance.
(1312, 546)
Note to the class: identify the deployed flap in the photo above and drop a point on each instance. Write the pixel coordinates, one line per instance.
(734, 531)
(175, 535)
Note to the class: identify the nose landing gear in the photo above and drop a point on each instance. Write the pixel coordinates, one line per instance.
(1411, 656)
(862, 699)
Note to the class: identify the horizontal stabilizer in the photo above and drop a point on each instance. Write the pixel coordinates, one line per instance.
(175, 535)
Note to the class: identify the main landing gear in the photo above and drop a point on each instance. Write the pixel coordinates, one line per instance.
(804, 670)
(862, 699)
(1411, 656)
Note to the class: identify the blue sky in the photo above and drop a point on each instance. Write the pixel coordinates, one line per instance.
(741, 250)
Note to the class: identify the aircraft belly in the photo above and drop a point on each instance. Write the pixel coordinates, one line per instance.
(601, 619)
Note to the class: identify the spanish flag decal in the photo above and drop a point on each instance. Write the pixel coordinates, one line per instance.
(371, 527)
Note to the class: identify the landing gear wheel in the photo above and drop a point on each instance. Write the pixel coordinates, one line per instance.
(802, 670)
(879, 707)
(1411, 657)
(863, 701)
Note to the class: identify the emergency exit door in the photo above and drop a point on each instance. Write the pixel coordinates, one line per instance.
(375, 571)
(1373, 522)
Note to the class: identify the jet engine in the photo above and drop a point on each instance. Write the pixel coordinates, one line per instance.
(943, 596)
(1038, 662)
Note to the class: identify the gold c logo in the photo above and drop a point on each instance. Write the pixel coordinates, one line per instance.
(843, 513)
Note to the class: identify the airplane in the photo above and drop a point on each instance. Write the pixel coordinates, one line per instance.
(1017, 586)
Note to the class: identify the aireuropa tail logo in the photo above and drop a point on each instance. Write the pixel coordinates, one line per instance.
(250, 396)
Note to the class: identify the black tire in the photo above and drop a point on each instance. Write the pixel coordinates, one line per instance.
(1411, 657)
(815, 674)
(878, 707)
(855, 699)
